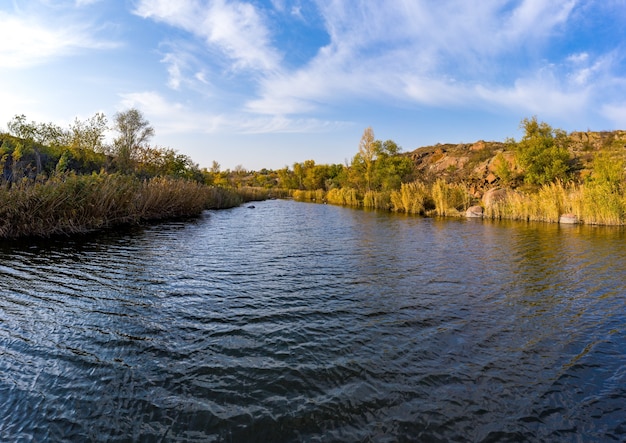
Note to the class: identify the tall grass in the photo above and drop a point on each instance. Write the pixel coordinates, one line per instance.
(412, 198)
(600, 205)
(70, 203)
(377, 200)
(450, 199)
(592, 203)
(317, 195)
(343, 196)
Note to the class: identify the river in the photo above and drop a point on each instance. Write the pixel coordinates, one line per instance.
(302, 322)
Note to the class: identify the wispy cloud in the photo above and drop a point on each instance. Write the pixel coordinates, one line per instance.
(451, 53)
(616, 113)
(173, 117)
(236, 30)
(488, 54)
(29, 40)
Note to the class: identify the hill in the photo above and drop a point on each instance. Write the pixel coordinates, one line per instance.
(476, 164)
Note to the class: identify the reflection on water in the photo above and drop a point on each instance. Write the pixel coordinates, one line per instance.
(301, 322)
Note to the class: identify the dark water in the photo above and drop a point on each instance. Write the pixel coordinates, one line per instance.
(302, 322)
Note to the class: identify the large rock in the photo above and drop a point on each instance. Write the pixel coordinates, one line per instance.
(474, 212)
(493, 196)
(568, 219)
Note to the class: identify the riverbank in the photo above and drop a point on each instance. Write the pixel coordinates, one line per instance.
(592, 203)
(67, 204)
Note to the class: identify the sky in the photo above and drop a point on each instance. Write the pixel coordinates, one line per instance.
(267, 83)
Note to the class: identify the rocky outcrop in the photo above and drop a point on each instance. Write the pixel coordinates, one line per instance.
(478, 164)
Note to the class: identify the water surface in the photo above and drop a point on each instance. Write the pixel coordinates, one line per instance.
(303, 322)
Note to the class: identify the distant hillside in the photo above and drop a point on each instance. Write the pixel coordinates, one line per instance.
(475, 163)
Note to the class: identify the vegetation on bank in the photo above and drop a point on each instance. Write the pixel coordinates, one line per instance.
(546, 174)
(63, 181)
(56, 181)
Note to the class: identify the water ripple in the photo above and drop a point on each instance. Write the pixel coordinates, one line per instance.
(296, 322)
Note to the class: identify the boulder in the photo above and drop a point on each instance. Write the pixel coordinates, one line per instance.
(568, 219)
(474, 212)
(493, 196)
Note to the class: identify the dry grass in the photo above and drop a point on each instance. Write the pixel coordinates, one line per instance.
(70, 203)
(450, 199)
(343, 196)
(412, 198)
(592, 203)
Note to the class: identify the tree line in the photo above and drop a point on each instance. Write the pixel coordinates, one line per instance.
(36, 151)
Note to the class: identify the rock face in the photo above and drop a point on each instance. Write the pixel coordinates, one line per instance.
(568, 219)
(474, 212)
(476, 164)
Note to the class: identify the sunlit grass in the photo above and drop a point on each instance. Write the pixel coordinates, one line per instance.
(70, 203)
(591, 203)
(412, 198)
(343, 197)
(450, 199)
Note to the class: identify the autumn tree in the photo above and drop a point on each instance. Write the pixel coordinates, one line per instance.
(368, 150)
(134, 132)
(391, 168)
(27, 132)
(86, 143)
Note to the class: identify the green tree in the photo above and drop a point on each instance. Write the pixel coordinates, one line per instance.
(88, 135)
(391, 169)
(608, 171)
(134, 132)
(286, 178)
(86, 143)
(543, 153)
(503, 169)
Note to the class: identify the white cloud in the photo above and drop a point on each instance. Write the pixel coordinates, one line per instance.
(27, 41)
(542, 94)
(177, 118)
(425, 53)
(536, 18)
(615, 113)
(579, 58)
(236, 29)
(81, 3)
(170, 117)
(454, 53)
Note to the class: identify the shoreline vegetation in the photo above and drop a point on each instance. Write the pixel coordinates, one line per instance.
(71, 204)
(57, 181)
(547, 176)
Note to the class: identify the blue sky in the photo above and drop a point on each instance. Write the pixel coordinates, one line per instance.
(266, 83)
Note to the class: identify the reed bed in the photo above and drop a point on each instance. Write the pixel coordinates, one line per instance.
(318, 195)
(343, 197)
(412, 198)
(592, 203)
(595, 203)
(69, 203)
(250, 193)
(449, 199)
(377, 200)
